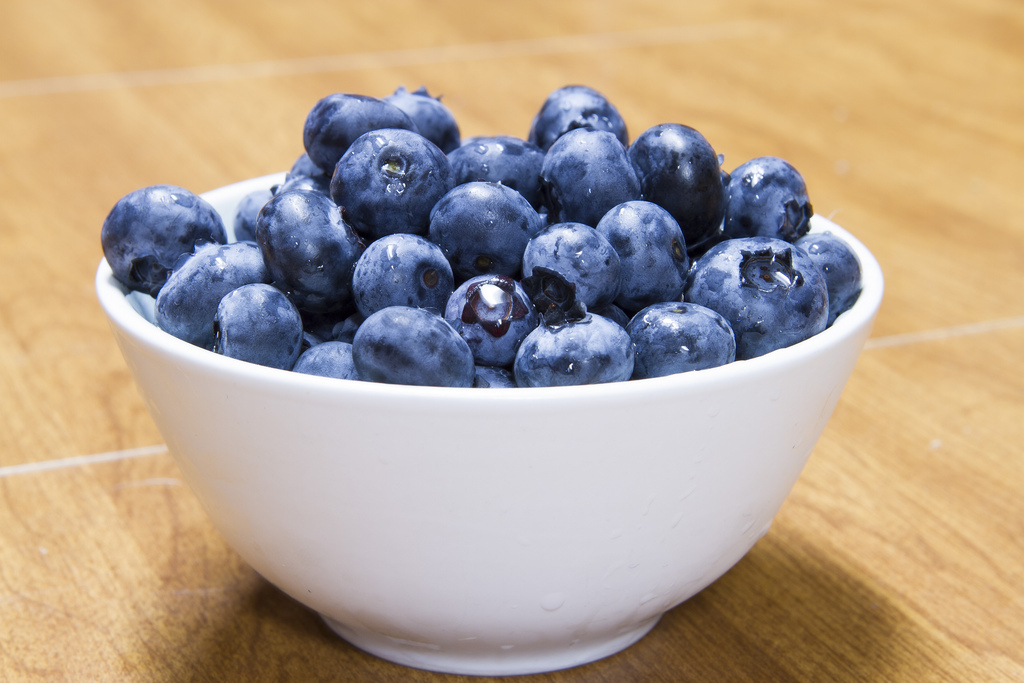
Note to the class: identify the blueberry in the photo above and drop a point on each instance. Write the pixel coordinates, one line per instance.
(433, 119)
(503, 159)
(316, 183)
(488, 377)
(572, 107)
(346, 329)
(767, 197)
(150, 229)
(613, 313)
(674, 337)
(259, 324)
(389, 180)
(839, 265)
(187, 304)
(401, 270)
(245, 216)
(553, 296)
(589, 351)
(493, 314)
(483, 228)
(337, 120)
(304, 166)
(405, 345)
(582, 255)
(586, 173)
(329, 359)
(770, 291)
(309, 249)
(679, 170)
(652, 254)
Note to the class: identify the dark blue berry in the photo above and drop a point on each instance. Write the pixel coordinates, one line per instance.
(187, 304)
(315, 183)
(401, 270)
(767, 197)
(679, 170)
(248, 209)
(433, 119)
(674, 337)
(593, 350)
(389, 180)
(257, 323)
(586, 173)
(329, 359)
(770, 291)
(404, 345)
(337, 120)
(304, 166)
(653, 260)
(483, 228)
(582, 255)
(488, 377)
(309, 249)
(839, 265)
(493, 314)
(501, 159)
(150, 229)
(572, 107)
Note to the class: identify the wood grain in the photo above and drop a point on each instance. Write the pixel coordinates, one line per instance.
(899, 555)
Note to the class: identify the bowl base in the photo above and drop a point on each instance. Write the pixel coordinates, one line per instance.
(489, 661)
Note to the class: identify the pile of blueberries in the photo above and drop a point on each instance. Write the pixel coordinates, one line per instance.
(394, 251)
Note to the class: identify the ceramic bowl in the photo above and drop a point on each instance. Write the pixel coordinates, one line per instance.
(489, 531)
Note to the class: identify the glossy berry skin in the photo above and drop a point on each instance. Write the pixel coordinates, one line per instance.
(572, 107)
(839, 265)
(488, 377)
(389, 180)
(680, 171)
(652, 254)
(433, 119)
(673, 337)
(504, 159)
(593, 350)
(148, 230)
(404, 345)
(493, 314)
(309, 249)
(337, 120)
(767, 197)
(586, 173)
(304, 166)
(316, 183)
(581, 255)
(257, 323)
(770, 291)
(483, 228)
(245, 216)
(401, 270)
(613, 313)
(187, 304)
(328, 359)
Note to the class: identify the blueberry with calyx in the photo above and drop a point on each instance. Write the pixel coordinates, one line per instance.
(554, 297)
(493, 314)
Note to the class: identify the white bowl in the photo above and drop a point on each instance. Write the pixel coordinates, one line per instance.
(489, 531)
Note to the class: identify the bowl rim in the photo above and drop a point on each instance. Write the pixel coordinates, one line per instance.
(113, 298)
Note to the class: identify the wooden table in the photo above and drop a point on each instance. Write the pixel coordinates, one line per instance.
(899, 556)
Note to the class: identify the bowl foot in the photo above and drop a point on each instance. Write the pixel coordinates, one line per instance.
(474, 658)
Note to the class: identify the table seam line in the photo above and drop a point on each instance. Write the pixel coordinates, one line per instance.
(522, 47)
